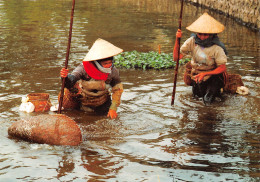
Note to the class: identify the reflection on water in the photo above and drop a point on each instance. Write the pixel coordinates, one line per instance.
(151, 140)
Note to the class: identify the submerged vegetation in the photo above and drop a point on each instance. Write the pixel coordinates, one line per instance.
(146, 60)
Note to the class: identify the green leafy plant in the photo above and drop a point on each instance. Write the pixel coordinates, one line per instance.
(146, 60)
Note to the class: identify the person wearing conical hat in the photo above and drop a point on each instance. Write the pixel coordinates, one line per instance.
(208, 57)
(94, 78)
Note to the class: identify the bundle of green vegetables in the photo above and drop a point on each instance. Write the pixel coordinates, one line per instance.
(146, 60)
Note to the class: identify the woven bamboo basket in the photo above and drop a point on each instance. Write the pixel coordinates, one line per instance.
(41, 101)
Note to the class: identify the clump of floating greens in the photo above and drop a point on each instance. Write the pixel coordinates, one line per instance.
(146, 60)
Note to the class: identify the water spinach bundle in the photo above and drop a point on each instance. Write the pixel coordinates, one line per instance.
(146, 60)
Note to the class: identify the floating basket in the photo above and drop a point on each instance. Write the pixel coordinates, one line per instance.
(41, 101)
(233, 81)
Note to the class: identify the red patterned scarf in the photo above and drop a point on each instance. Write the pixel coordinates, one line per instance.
(93, 72)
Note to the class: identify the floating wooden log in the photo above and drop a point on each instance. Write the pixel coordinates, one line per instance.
(56, 129)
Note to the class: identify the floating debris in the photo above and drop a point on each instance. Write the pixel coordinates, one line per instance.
(242, 90)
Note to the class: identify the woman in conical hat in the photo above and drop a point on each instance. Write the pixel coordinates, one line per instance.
(208, 57)
(94, 78)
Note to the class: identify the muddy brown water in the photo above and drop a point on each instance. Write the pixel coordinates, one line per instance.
(151, 140)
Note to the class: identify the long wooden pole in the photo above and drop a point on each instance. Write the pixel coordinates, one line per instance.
(177, 63)
(67, 57)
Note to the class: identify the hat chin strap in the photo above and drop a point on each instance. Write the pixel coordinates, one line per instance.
(102, 69)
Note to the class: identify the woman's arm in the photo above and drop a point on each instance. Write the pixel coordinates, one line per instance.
(71, 79)
(220, 69)
(176, 47)
(117, 91)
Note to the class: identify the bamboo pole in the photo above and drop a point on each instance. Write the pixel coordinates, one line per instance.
(177, 63)
(67, 57)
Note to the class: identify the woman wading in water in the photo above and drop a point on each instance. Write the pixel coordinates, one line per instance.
(208, 57)
(95, 80)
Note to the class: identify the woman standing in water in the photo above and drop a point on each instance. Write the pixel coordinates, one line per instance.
(208, 57)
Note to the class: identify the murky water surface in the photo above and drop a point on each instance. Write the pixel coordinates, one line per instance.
(151, 140)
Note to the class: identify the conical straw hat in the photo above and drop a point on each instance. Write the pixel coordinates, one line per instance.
(206, 24)
(102, 49)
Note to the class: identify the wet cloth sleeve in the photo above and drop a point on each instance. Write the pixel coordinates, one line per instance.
(117, 91)
(187, 47)
(117, 88)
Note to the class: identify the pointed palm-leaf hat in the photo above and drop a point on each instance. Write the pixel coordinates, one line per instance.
(206, 24)
(102, 49)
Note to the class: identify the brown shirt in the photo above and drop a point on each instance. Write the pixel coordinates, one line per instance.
(203, 58)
